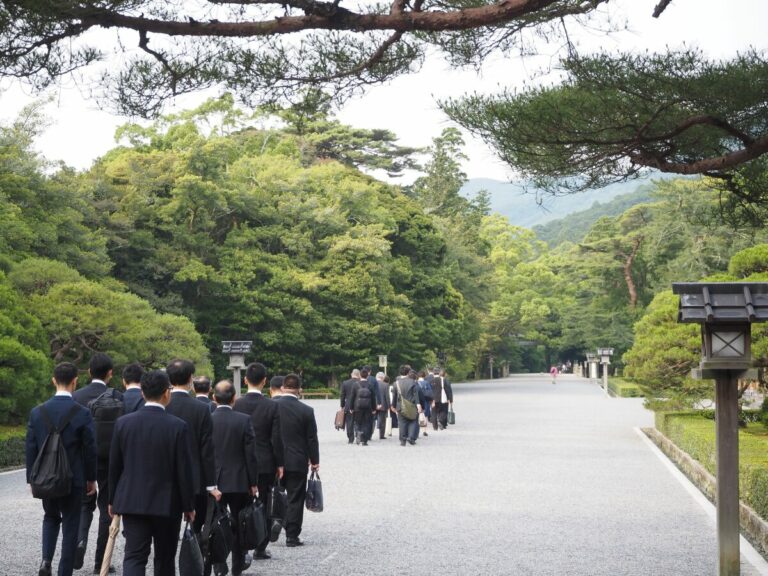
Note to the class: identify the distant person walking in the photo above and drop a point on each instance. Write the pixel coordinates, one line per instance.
(132, 398)
(345, 400)
(75, 424)
(553, 374)
(406, 404)
(383, 407)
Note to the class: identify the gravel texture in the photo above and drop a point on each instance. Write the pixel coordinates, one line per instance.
(535, 479)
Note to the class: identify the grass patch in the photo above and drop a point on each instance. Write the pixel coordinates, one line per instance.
(12, 452)
(624, 389)
(695, 434)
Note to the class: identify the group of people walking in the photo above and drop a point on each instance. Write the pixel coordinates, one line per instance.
(158, 453)
(409, 403)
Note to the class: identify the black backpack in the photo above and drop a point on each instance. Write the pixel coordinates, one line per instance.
(105, 409)
(51, 475)
(363, 399)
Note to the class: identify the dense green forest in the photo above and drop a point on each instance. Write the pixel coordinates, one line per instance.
(219, 224)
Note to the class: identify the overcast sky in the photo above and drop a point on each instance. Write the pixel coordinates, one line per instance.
(80, 132)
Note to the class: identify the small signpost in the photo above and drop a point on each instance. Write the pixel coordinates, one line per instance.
(592, 362)
(605, 359)
(237, 350)
(726, 312)
(383, 362)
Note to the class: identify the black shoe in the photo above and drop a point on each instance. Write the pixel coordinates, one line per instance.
(350, 441)
(425, 433)
(79, 555)
(247, 560)
(294, 542)
(220, 569)
(45, 568)
(382, 437)
(111, 570)
(412, 442)
(402, 442)
(263, 555)
(365, 443)
(274, 532)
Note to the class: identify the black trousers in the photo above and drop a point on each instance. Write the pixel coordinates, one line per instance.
(295, 484)
(439, 415)
(201, 507)
(62, 513)
(382, 416)
(363, 425)
(141, 534)
(236, 501)
(86, 513)
(350, 426)
(264, 483)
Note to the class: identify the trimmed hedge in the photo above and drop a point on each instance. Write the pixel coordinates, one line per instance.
(623, 389)
(12, 453)
(694, 433)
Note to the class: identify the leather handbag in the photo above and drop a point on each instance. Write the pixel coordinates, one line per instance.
(314, 498)
(451, 416)
(252, 526)
(190, 556)
(339, 420)
(278, 504)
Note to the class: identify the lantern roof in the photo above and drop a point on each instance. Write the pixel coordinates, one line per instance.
(722, 302)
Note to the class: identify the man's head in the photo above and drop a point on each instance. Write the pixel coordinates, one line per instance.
(292, 384)
(276, 385)
(180, 373)
(202, 385)
(224, 393)
(100, 367)
(365, 371)
(256, 375)
(404, 370)
(356, 374)
(380, 376)
(436, 370)
(132, 374)
(156, 387)
(65, 376)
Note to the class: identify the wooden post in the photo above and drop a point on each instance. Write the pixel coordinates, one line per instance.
(727, 430)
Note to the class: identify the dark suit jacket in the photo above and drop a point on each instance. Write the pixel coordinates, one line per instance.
(198, 417)
(91, 392)
(150, 464)
(299, 432)
(78, 438)
(234, 445)
(207, 401)
(265, 419)
(346, 393)
(133, 400)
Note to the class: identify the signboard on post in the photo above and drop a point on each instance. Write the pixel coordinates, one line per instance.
(383, 362)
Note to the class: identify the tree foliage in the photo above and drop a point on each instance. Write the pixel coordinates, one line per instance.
(615, 116)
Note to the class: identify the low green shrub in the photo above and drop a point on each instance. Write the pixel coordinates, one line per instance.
(624, 389)
(12, 452)
(694, 433)
(332, 392)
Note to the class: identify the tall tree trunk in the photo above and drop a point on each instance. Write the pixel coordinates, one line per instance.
(631, 288)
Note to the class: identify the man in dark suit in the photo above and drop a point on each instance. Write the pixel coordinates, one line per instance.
(301, 449)
(100, 370)
(345, 399)
(363, 407)
(236, 468)
(198, 417)
(202, 386)
(132, 398)
(149, 469)
(265, 419)
(76, 427)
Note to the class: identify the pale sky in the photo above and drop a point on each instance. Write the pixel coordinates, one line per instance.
(80, 132)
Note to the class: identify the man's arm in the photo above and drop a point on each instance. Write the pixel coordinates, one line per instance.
(30, 445)
(313, 443)
(249, 442)
(115, 462)
(277, 439)
(343, 395)
(184, 471)
(207, 459)
(88, 436)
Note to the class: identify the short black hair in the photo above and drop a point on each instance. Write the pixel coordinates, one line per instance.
(100, 365)
(180, 372)
(364, 372)
(154, 384)
(386, 379)
(64, 373)
(404, 369)
(256, 372)
(202, 384)
(292, 382)
(276, 382)
(224, 392)
(132, 373)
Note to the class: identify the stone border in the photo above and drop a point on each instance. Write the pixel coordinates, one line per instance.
(753, 527)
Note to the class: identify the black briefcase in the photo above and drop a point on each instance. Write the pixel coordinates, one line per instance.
(278, 504)
(190, 556)
(314, 498)
(252, 526)
(217, 536)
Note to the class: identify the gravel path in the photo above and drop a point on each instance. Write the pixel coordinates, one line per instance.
(535, 479)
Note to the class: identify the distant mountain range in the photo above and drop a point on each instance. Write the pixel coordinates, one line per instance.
(524, 207)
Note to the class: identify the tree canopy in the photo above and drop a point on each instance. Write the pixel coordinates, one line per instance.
(259, 49)
(615, 116)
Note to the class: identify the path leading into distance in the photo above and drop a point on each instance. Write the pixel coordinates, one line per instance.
(534, 479)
